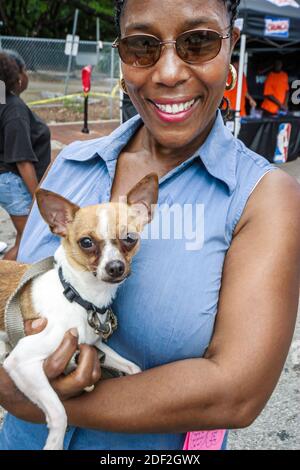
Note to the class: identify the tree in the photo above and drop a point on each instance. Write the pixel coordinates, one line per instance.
(54, 18)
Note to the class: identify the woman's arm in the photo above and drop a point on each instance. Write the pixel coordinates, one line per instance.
(256, 317)
(28, 174)
(252, 101)
(255, 323)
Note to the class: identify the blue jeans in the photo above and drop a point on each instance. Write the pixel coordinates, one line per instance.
(14, 195)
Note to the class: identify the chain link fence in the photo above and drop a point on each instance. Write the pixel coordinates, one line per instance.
(47, 65)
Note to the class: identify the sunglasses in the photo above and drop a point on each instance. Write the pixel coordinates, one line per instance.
(193, 47)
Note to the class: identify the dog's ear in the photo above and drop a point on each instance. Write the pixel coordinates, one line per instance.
(143, 196)
(56, 211)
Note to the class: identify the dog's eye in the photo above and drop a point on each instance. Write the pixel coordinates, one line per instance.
(131, 239)
(86, 243)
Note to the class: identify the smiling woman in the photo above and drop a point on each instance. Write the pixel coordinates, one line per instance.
(209, 323)
(203, 39)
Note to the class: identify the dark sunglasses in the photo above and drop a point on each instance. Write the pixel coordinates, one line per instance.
(193, 47)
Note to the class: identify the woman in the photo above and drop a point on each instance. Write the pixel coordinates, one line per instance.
(24, 147)
(209, 315)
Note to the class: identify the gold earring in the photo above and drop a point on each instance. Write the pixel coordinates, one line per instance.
(230, 86)
(123, 86)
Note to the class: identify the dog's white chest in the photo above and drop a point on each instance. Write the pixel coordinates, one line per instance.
(49, 302)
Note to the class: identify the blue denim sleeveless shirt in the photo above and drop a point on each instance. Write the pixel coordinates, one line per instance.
(167, 308)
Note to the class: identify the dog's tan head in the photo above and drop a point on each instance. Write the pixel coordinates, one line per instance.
(104, 238)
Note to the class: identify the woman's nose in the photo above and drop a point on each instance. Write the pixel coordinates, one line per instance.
(170, 70)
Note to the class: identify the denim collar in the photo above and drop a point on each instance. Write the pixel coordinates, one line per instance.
(218, 153)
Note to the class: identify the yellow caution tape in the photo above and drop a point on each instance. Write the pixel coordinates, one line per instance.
(54, 100)
(111, 95)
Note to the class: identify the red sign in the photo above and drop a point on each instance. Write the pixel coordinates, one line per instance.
(86, 75)
(277, 27)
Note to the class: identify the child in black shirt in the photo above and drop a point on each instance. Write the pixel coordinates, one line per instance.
(24, 146)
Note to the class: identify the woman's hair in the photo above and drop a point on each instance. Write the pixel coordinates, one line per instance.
(18, 59)
(232, 8)
(9, 71)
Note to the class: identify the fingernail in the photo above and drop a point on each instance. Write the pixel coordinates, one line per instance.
(74, 332)
(37, 323)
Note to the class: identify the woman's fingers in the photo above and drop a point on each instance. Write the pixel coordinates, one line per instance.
(33, 327)
(55, 364)
(87, 374)
(88, 370)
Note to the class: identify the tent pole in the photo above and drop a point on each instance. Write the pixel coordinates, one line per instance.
(246, 63)
(237, 119)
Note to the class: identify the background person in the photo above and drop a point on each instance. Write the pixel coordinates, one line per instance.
(24, 146)
(276, 91)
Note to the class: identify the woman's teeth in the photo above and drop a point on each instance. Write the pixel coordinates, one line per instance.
(175, 108)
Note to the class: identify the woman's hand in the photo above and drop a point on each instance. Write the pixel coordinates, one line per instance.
(87, 373)
(253, 103)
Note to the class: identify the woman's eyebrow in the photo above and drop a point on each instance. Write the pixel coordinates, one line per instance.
(188, 24)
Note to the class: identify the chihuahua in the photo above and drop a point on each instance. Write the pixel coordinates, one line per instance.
(94, 258)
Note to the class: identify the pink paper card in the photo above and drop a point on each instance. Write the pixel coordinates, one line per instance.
(204, 440)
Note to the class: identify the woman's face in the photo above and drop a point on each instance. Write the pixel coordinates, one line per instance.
(171, 79)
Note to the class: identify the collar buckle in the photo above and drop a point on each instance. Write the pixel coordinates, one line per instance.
(70, 293)
(104, 329)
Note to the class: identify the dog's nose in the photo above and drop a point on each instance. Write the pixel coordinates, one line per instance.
(115, 269)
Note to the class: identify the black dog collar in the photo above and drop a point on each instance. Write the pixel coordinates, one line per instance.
(105, 329)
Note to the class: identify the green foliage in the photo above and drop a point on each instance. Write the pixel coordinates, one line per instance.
(54, 18)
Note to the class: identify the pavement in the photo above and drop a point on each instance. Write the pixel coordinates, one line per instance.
(63, 134)
(278, 426)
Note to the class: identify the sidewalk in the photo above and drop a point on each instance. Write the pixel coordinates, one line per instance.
(64, 134)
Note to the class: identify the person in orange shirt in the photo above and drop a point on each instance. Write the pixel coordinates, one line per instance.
(276, 91)
(232, 94)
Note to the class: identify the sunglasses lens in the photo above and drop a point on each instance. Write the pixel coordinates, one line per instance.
(139, 51)
(199, 46)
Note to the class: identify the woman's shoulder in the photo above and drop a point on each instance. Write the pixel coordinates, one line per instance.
(250, 170)
(15, 101)
(248, 160)
(274, 203)
(263, 188)
(253, 167)
(14, 108)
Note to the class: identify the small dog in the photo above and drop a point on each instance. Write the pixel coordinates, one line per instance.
(94, 258)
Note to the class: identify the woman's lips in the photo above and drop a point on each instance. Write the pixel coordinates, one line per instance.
(174, 116)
